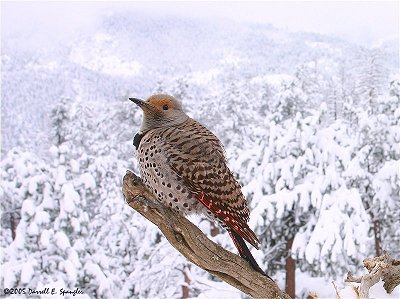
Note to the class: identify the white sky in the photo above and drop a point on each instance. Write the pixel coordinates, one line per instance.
(364, 22)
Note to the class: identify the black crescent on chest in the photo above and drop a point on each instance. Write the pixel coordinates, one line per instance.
(136, 140)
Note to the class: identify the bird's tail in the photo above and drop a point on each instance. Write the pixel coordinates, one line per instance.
(245, 252)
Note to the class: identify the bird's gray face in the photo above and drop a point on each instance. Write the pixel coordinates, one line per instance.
(160, 111)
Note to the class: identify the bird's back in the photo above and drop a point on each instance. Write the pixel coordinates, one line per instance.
(184, 165)
(192, 158)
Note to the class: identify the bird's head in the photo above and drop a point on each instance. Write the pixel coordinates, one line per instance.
(160, 110)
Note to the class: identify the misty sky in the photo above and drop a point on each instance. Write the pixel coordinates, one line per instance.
(364, 22)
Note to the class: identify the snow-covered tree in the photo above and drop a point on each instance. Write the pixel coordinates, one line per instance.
(38, 249)
(291, 100)
(298, 191)
(371, 77)
(309, 126)
(59, 121)
(378, 146)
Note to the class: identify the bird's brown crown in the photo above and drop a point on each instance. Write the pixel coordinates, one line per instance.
(164, 102)
(160, 110)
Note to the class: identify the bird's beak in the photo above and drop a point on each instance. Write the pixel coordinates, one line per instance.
(142, 104)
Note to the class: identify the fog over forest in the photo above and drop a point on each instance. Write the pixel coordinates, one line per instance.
(310, 121)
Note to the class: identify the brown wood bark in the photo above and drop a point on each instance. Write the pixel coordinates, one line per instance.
(13, 226)
(186, 286)
(290, 287)
(214, 230)
(195, 246)
(377, 237)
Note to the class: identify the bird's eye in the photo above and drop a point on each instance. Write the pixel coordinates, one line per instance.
(165, 107)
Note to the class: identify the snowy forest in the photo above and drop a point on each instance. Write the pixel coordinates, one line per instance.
(310, 125)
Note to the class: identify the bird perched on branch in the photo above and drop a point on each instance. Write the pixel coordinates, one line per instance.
(184, 165)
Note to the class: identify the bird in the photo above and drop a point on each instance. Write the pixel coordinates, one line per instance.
(184, 165)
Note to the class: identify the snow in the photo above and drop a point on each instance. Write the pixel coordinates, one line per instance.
(12, 276)
(21, 168)
(27, 273)
(62, 241)
(47, 66)
(42, 217)
(218, 290)
(70, 198)
(75, 166)
(45, 238)
(275, 80)
(101, 280)
(63, 149)
(73, 258)
(205, 77)
(88, 180)
(99, 59)
(61, 179)
(317, 153)
(325, 289)
(33, 229)
(376, 291)
(53, 151)
(332, 223)
(28, 208)
(70, 270)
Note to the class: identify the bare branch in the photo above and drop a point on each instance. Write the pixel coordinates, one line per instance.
(336, 290)
(382, 267)
(195, 246)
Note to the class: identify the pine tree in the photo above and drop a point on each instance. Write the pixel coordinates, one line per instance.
(370, 78)
(291, 100)
(28, 213)
(59, 120)
(377, 147)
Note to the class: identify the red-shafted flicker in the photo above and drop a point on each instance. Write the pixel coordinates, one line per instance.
(184, 165)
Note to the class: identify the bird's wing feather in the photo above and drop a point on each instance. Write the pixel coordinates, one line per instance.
(197, 158)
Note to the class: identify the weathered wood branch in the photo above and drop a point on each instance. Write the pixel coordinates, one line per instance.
(382, 267)
(195, 246)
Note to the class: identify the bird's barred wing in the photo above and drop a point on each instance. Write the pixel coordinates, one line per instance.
(197, 158)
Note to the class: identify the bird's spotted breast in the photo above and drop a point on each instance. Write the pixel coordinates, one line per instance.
(191, 160)
(184, 165)
(159, 178)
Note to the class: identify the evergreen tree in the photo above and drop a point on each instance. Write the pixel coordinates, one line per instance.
(59, 121)
(377, 147)
(291, 100)
(371, 75)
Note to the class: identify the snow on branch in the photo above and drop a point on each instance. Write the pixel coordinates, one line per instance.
(195, 246)
(382, 267)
